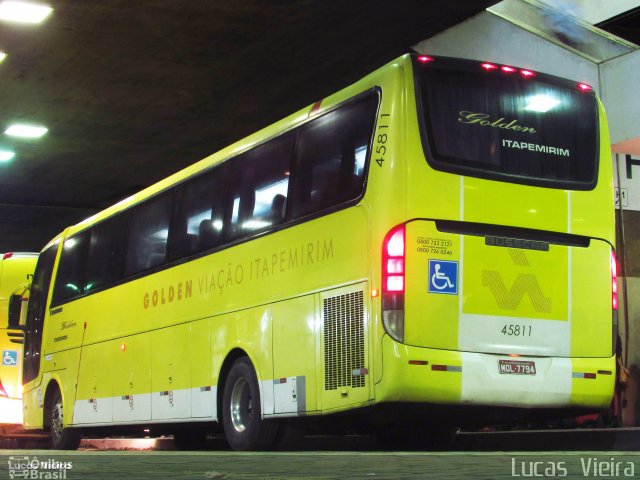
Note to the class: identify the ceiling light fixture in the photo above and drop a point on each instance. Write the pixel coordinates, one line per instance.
(26, 131)
(24, 12)
(6, 155)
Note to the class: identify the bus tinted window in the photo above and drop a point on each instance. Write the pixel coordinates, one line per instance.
(258, 184)
(529, 130)
(330, 157)
(148, 233)
(106, 250)
(70, 277)
(200, 214)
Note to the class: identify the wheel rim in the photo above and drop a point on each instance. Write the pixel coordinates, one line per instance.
(57, 419)
(241, 404)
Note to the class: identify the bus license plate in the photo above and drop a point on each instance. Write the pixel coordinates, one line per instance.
(517, 367)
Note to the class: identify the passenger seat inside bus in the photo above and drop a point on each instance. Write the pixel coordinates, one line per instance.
(278, 205)
(208, 236)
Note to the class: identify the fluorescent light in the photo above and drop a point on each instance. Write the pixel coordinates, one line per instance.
(2, 56)
(541, 103)
(23, 12)
(26, 131)
(6, 155)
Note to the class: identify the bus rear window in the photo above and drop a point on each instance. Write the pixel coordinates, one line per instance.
(536, 130)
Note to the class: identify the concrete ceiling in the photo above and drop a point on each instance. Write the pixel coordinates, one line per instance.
(132, 91)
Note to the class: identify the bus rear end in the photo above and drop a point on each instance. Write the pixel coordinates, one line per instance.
(16, 270)
(499, 289)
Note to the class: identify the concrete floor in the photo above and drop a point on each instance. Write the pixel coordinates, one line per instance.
(493, 455)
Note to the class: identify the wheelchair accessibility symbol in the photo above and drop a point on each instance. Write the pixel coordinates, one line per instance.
(443, 277)
(9, 358)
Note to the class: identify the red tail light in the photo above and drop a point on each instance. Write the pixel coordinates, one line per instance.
(3, 392)
(7, 255)
(507, 69)
(614, 281)
(393, 265)
(583, 87)
(527, 73)
(393, 282)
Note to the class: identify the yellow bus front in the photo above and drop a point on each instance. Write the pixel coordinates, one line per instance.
(499, 283)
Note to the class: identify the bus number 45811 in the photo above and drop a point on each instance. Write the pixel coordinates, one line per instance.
(517, 330)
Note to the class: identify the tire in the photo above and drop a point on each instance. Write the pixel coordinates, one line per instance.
(61, 438)
(244, 427)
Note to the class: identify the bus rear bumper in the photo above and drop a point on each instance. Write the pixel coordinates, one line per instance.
(424, 375)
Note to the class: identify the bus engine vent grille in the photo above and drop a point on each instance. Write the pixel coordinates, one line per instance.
(344, 341)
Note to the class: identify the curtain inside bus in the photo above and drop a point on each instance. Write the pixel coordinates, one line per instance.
(535, 129)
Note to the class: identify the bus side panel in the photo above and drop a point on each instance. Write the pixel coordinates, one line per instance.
(203, 391)
(130, 360)
(249, 330)
(94, 399)
(296, 351)
(171, 372)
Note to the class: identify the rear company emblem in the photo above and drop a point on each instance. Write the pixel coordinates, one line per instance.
(510, 299)
(525, 283)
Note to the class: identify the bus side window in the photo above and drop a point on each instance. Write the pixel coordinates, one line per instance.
(258, 187)
(330, 157)
(198, 221)
(70, 278)
(148, 234)
(106, 253)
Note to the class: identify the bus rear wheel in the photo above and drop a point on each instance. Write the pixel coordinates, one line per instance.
(61, 438)
(244, 427)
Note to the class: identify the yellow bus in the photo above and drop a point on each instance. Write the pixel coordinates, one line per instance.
(435, 238)
(16, 270)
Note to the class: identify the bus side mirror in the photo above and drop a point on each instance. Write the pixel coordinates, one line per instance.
(15, 308)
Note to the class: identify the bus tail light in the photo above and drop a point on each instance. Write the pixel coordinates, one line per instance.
(614, 281)
(614, 302)
(393, 282)
(3, 392)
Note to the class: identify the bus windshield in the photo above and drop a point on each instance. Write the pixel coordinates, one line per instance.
(499, 122)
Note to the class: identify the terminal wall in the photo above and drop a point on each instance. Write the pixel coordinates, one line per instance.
(620, 79)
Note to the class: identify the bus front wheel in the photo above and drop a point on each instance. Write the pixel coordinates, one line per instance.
(61, 438)
(244, 427)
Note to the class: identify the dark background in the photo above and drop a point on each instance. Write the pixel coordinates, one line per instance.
(134, 90)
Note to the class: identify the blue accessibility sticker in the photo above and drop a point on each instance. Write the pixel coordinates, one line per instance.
(443, 277)
(9, 358)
